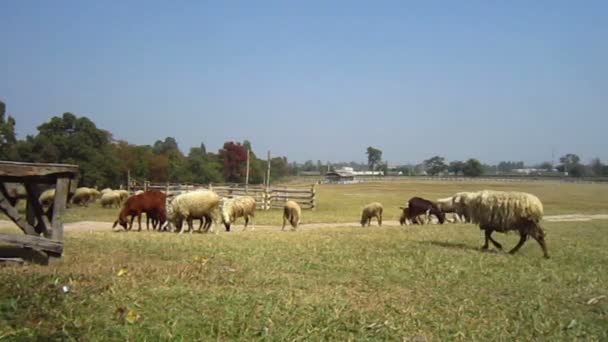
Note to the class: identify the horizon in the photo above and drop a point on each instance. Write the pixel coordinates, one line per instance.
(316, 81)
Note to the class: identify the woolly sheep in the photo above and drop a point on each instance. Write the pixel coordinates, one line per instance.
(47, 197)
(461, 204)
(503, 211)
(124, 194)
(110, 199)
(233, 208)
(292, 213)
(192, 205)
(370, 211)
(103, 191)
(83, 196)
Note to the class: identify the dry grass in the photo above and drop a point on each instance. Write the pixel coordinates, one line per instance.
(334, 283)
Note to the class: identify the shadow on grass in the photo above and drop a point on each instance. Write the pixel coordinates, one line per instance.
(460, 246)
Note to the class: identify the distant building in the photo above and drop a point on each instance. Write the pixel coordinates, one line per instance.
(309, 173)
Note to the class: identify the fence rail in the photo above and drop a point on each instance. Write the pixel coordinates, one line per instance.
(266, 198)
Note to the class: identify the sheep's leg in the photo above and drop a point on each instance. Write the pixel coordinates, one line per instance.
(190, 226)
(131, 223)
(494, 242)
(522, 239)
(180, 225)
(200, 226)
(246, 222)
(139, 222)
(380, 221)
(284, 222)
(539, 235)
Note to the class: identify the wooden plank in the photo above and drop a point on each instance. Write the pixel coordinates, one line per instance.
(17, 169)
(43, 226)
(61, 196)
(14, 215)
(50, 246)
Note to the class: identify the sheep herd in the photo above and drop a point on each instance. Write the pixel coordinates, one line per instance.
(498, 211)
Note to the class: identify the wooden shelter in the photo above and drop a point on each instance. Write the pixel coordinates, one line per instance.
(43, 228)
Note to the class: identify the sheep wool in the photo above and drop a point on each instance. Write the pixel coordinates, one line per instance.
(370, 211)
(292, 213)
(240, 206)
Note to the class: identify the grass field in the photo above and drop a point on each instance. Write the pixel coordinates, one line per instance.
(333, 283)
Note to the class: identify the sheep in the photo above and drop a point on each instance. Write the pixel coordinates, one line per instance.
(103, 191)
(417, 206)
(420, 219)
(370, 211)
(292, 213)
(150, 202)
(124, 194)
(461, 204)
(503, 211)
(110, 199)
(233, 208)
(83, 196)
(47, 197)
(188, 206)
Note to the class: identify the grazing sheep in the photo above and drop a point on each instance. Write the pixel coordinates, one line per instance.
(233, 208)
(110, 199)
(292, 213)
(124, 194)
(417, 206)
(103, 191)
(192, 205)
(370, 211)
(150, 202)
(420, 219)
(47, 197)
(503, 211)
(83, 196)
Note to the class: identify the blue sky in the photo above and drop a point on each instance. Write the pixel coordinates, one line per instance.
(494, 80)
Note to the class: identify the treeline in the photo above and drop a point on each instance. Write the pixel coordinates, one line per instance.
(104, 161)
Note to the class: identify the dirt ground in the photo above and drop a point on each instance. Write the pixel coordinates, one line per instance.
(107, 226)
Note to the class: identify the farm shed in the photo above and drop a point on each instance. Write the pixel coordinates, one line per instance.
(339, 177)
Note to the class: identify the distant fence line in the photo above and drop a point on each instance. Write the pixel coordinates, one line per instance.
(266, 198)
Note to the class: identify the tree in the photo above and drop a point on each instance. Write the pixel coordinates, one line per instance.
(233, 157)
(472, 168)
(8, 139)
(203, 148)
(164, 147)
(547, 166)
(374, 157)
(435, 165)
(597, 167)
(508, 166)
(569, 161)
(456, 166)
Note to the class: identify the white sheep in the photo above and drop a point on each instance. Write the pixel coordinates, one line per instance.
(240, 206)
(110, 199)
(292, 213)
(503, 211)
(124, 194)
(103, 191)
(84, 196)
(192, 205)
(47, 197)
(370, 211)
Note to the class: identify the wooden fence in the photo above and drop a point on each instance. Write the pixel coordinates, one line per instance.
(266, 198)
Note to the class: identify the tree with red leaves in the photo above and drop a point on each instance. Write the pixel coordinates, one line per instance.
(234, 158)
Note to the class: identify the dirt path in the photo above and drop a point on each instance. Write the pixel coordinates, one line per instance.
(107, 226)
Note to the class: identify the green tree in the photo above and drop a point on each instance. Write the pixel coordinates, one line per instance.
(568, 161)
(435, 165)
(597, 167)
(473, 168)
(374, 157)
(547, 166)
(8, 139)
(456, 166)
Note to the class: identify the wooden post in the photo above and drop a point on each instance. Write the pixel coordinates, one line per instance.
(61, 195)
(247, 175)
(268, 171)
(129, 181)
(314, 196)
